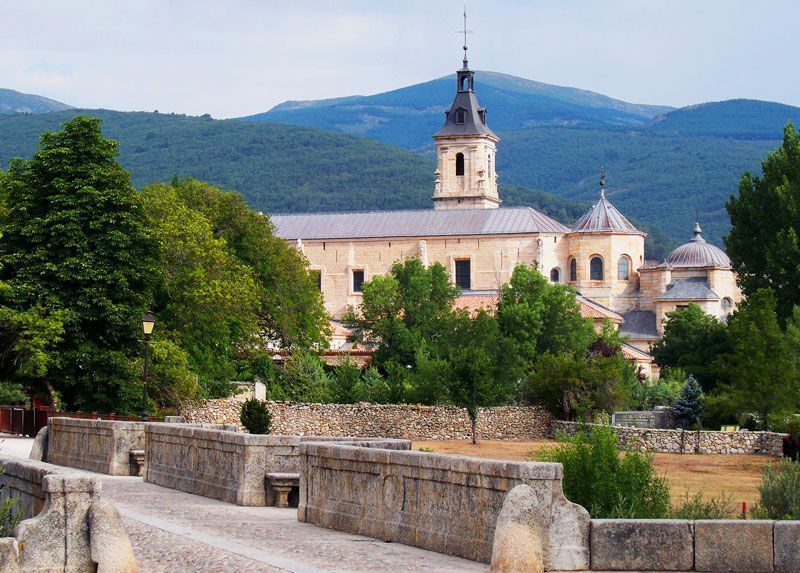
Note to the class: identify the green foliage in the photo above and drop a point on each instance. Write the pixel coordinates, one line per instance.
(765, 224)
(694, 342)
(698, 507)
(171, 381)
(663, 391)
(688, 408)
(780, 490)
(302, 379)
(255, 417)
(606, 484)
(10, 513)
(762, 369)
(76, 240)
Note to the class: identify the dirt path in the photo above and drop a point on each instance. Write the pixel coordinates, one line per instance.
(736, 476)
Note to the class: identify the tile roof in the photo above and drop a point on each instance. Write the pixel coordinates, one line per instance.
(632, 353)
(689, 289)
(603, 217)
(639, 324)
(415, 223)
(594, 310)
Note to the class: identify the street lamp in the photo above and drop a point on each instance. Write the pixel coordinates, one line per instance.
(148, 321)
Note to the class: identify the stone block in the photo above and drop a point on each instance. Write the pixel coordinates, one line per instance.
(733, 545)
(787, 546)
(642, 544)
(39, 448)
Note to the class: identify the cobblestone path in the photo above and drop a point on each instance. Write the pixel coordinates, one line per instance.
(172, 531)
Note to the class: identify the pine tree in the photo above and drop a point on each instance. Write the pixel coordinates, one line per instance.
(688, 408)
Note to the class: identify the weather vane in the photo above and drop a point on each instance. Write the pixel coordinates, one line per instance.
(465, 32)
(602, 177)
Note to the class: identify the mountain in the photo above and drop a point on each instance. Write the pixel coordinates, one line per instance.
(736, 118)
(665, 166)
(12, 102)
(278, 168)
(409, 116)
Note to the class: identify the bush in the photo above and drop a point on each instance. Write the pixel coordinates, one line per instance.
(256, 417)
(10, 514)
(695, 507)
(688, 408)
(605, 483)
(780, 490)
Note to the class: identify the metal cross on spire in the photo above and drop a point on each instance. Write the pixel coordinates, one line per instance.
(465, 32)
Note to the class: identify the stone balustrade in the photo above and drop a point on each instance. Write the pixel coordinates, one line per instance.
(686, 441)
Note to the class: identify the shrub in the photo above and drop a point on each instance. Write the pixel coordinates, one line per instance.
(696, 507)
(10, 514)
(255, 417)
(780, 490)
(605, 483)
(688, 407)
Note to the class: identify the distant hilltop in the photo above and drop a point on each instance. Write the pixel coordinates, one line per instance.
(15, 102)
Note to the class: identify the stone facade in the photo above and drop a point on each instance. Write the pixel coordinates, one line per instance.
(67, 526)
(685, 441)
(386, 421)
(448, 504)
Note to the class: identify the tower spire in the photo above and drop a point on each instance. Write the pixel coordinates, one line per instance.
(466, 63)
(602, 182)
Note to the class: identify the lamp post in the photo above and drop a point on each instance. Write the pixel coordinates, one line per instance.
(148, 321)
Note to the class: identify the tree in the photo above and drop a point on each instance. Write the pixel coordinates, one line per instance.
(542, 317)
(290, 306)
(765, 223)
(76, 240)
(694, 342)
(486, 366)
(762, 368)
(688, 408)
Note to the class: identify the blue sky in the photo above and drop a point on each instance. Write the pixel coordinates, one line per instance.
(240, 57)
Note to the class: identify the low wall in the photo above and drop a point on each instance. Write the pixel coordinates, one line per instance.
(759, 546)
(686, 441)
(223, 465)
(66, 526)
(448, 504)
(95, 445)
(386, 420)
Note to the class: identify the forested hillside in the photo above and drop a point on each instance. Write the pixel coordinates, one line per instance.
(278, 168)
(15, 102)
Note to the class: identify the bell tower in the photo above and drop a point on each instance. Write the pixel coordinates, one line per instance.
(465, 151)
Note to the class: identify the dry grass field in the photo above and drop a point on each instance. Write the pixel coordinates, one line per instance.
(712, 475)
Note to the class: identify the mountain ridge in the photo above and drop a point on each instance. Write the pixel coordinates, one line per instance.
(13, 102)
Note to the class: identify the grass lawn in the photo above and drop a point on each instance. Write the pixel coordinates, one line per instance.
(737, 476)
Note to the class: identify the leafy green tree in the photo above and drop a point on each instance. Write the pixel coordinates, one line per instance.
(765, 223)
(694, 342)
(402, 311)
(486, 367)
(302, 379)
(688, 408)
(205, 298)
(171, 380)
(762, 369)
(541, 316)
(76, 240)
(290, 306)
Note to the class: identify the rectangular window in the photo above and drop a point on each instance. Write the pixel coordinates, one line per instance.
(462, 274)
(317, 278)
(358, 280)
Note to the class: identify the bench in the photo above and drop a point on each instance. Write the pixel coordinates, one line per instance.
(283, 489)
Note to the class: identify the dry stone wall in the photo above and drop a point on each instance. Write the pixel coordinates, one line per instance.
(386, 421)
(689, 442)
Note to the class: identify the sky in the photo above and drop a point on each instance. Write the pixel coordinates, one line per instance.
(239, 57)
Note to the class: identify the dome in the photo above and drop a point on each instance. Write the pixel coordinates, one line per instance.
(698, 253)
(603, 217)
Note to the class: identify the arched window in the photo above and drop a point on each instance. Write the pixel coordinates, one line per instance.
(623, 268)
(459, 164)
(554, 275)
(727, 304)
(573, 270)
(596, 269)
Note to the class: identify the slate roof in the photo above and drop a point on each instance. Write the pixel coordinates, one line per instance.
(603, 217)
(414, 223)
(473, 125)
(639, 324)
(697, 253)
(689, 289)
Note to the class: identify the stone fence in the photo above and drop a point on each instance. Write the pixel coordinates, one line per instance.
(228, 466)
(448, 504)
(386, 420)
(67, 526)
(687, 441)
